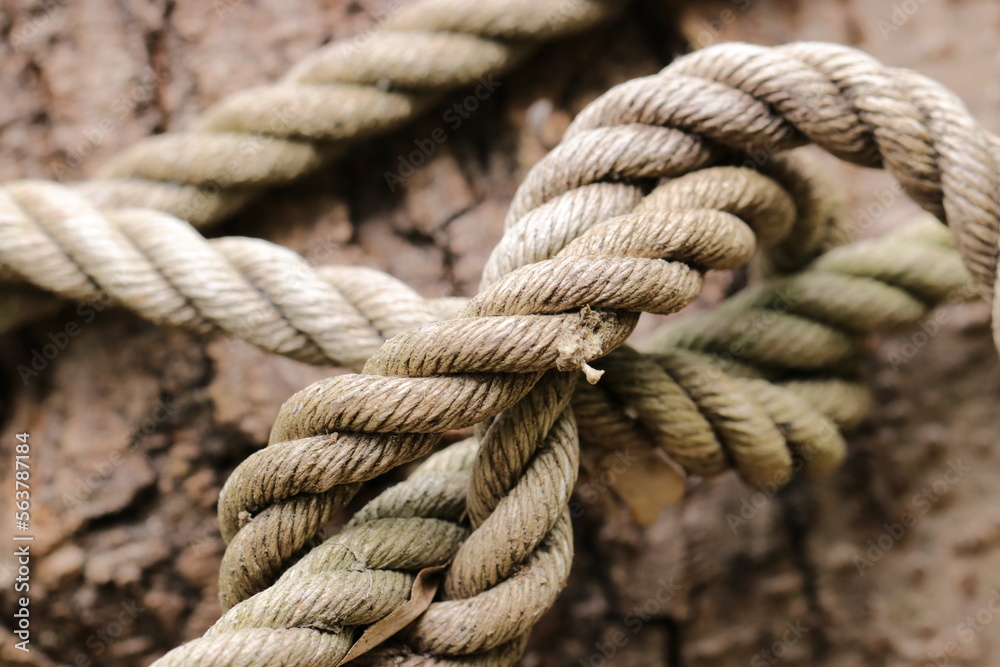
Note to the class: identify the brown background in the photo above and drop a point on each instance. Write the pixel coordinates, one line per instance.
(135, 428)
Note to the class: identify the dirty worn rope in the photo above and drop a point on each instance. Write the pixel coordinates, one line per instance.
(163, 269)
(575, 307)
(736, 190)
(167, 271)
(809, 435)
(343, 92)
(426, 509)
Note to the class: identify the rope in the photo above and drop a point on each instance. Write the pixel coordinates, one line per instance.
(755, 98)
(570, 309)
(163, 269)
(426, 509)
(343, 92)
(759, 199)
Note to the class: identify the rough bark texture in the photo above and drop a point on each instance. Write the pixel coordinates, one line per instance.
(134, 428)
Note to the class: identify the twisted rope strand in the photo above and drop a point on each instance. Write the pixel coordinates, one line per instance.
(622, 235)
(812, 438)
(343, 92)
(166, 271)
(712, 240)
(818, 315)
(372, 558)
(683, 401)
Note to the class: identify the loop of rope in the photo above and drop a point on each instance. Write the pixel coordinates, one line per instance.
(748, 97)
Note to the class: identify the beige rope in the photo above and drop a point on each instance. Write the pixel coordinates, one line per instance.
(737, 96)
(807, 434)
(754, 98)
(166, 271)
(343, 92)
(360, 563)
(543, 331)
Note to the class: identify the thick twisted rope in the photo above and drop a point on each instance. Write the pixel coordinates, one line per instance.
(819, 315)
(751, 98)
(341, 93)
(801, 432)
(163, 269)
(436, 402)
(360, 563)
(614, 274)
(471, 621)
